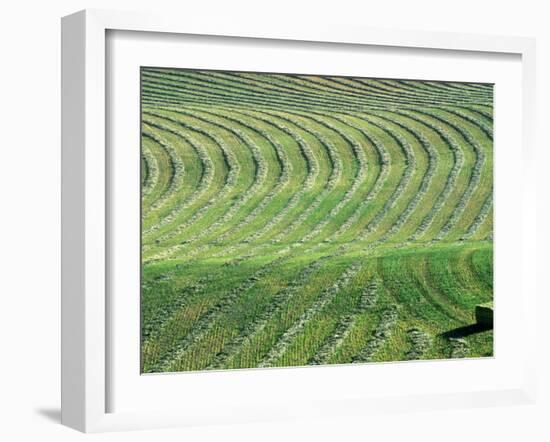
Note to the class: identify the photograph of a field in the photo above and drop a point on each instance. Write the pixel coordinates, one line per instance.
(293, 220)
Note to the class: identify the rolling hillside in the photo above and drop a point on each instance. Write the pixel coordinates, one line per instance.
(299, 220)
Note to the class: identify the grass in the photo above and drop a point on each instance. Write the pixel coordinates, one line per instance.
(293, 220)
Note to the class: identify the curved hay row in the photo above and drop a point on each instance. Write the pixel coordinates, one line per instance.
(406, 177)
(474, 179)
(261, 168)
(461, 183)
(288, 249)
(450, 182)
(358, 179)
(421, 96)
(175, 166)
(357, 176)
(196, 178)
(169, 92)
(205, 86)
(150, 179)
(289, 124)
(384, 170)
(333, 178)
(311, 173)
(313, 166)
(484, 212)
(154, 159)
(227, 151)
(421, 180)
(299, 84)
(439, 88)
(425, 183)
(390, 209)
(284, 163)
(388, 133)
(259, 98)
(206, 181)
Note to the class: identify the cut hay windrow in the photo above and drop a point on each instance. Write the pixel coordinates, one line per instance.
(336, 173)
(333, 178)
(176, 166)
(435, 88)
(410, 164)
(487, 129)
(261, 171)
(253, 328)
(474, 178)
(484, 212)
(312, 96)
(280, 347)
(152, 171)
(358, 180)
(383, 331)
(312, 171)
(383, 95)
(168, 362)
(459, 348)
(206, 181)
(420, 343)
(367, 300)
(196, 179)
(384, 161)
(232, 175)
(424, 184)
(282, 183)
(458, 163)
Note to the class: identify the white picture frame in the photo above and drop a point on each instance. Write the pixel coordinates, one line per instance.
(86, 206)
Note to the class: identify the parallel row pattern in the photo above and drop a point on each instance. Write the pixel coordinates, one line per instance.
(302, 220)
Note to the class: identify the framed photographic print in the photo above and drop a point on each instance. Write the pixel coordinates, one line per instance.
(250, 214)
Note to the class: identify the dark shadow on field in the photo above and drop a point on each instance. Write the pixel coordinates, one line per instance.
(467, 330)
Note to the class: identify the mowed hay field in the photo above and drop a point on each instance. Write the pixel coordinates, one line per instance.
(292, 220)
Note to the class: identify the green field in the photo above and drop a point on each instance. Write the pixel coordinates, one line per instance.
(293, 220)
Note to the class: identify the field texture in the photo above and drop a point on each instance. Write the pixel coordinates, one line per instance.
(300, 220)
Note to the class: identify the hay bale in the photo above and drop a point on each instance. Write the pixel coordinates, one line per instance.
(484, 314)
